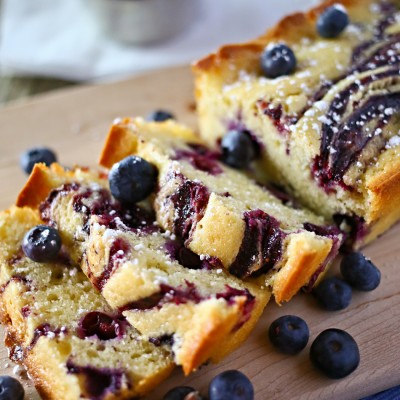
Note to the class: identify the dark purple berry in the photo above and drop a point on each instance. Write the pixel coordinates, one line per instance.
(42, 243)
(189, 259)
(237, 149)
(232, 385)
(11, 389)
(98, 324)
(335, 353)
(160, 116)
(359, 272)
(98, 383)
(332, 21)
(179, 393)
(333, 294)
(132, 179)
(277, 60)
(289, 334)
(37, 155)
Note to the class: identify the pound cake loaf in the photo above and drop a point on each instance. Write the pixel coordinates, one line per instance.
(320, 100)
(221, 214)
(72, 343)
(170, 295)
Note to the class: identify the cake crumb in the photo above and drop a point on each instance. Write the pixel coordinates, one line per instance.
(20, 371)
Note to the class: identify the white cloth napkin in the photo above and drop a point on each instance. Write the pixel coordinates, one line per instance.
(55, 37)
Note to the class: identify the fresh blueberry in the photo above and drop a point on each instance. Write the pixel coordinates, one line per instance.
(232, 385)
(132, 179)
(359, 272)
(333, 294)
(160, 116)
(37, 155)
(11, 389)
(42, 243)
(278, 60)
(289, 334)
(179, 393)
(237, 149)
(335, 353)
(332, 21)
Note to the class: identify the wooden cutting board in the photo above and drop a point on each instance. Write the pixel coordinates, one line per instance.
(74, 122)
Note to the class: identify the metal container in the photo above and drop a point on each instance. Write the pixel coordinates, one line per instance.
(143, 21)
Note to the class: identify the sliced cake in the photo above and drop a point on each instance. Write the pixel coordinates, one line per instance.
(319, 95)
(221, 214)
(72, 343)
(171, 295)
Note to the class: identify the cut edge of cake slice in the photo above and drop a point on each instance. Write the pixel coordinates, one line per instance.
(221, 230)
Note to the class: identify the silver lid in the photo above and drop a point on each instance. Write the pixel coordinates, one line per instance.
(143, 21)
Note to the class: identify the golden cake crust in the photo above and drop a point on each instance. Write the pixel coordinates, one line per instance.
(43, 179)
(117, 145)
(384, 197)
(291, 29)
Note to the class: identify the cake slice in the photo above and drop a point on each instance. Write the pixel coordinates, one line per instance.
(72, 343)
(171, 295)
(221, 214)
(328, 131)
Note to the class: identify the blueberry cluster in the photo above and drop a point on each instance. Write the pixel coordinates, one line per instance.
(358, 272)
(334, 351)
(279, 59)
(232, 385)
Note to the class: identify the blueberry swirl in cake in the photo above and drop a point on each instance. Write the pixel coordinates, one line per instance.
(220, 213)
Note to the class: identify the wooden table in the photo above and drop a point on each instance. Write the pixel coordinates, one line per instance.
(19, 88)
(74, 122)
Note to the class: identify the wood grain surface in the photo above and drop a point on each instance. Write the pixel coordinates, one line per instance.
(74, 122)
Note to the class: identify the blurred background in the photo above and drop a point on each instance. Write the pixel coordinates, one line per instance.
(48, 44)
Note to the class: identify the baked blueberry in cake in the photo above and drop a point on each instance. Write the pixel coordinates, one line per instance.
(72, 343)
(323, 112)
(172, 296)
(219, 213)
